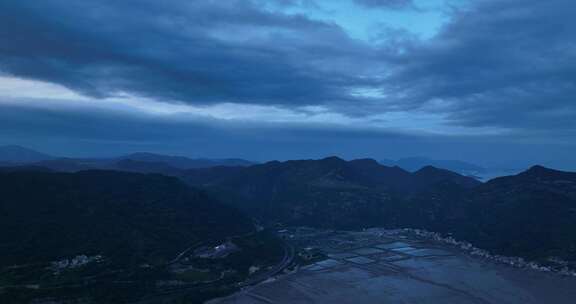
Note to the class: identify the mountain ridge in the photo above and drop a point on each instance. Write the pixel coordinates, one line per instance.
(14, 154)
(414, 164)
(182, 162)
(329, 191)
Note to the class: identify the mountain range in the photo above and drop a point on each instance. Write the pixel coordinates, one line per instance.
(532, 214)
(330, 192)
(143, 162)
(161, 204)
(416, 163)
(10, 155)
(19, 155)
(181, 162)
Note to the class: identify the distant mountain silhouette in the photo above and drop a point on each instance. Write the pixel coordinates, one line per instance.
(333, 172)
(430, 175)
(181, 162)
(72, 164)
(20, 155)
(130, 165)
(413, 164)
(143, 162)
(329, 192)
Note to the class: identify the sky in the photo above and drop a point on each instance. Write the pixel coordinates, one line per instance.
(486, 81)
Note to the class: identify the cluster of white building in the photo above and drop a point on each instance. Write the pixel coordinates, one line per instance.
(556, 265)
(74, 263)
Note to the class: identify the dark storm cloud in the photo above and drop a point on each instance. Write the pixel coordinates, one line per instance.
(498, 63)
(388, 4)
(503, 63)
(199, 52)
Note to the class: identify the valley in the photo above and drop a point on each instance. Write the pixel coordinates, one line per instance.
(191, 235)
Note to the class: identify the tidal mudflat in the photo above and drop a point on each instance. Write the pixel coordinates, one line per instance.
(363, 268)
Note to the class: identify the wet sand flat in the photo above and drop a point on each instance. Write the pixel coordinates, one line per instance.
(418, 275)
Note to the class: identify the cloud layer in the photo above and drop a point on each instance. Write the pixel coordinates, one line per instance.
(503, 65)
(90, 133)
(493, 58)
(200, 52)
(388, 4)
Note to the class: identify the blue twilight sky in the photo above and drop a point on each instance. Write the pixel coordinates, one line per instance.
(488, 81)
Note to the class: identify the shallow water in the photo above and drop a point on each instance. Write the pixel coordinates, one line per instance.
(410, 273)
